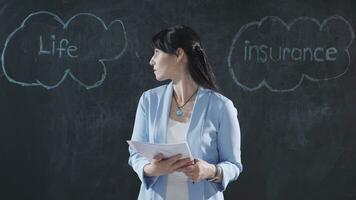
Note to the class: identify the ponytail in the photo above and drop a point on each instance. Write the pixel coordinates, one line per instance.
(200, 69)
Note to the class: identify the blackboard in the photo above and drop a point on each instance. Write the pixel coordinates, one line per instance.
(72, 73)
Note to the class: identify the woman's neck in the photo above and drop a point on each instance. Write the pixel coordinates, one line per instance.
(184, 88)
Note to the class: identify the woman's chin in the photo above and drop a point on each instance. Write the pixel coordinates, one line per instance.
(159, 78)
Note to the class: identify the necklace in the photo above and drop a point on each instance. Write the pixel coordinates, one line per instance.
(179, 111)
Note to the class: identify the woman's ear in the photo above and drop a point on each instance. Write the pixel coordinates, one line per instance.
(180, 55)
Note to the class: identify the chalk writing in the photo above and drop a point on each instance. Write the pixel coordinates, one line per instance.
(263, 52)
(63, 47)
(37, 47)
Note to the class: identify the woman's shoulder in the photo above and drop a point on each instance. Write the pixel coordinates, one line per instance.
(222, 103)
(218, 98)
(156, 90)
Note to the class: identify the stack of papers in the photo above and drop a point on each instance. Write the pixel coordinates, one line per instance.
(149, 150)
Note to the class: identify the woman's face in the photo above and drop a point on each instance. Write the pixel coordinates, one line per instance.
(163, 65)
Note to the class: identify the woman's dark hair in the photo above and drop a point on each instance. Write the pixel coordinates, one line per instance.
(181, 36)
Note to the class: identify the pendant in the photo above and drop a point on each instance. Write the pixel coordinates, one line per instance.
(179, 112)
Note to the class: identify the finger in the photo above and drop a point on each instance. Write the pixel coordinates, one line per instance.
(186, 170)
(180, 163)
(158, 157)
(191, 162)
(189, 174)
(189, 168)
(196, 160)
(182, 168)
(174, 158)
(192, 177)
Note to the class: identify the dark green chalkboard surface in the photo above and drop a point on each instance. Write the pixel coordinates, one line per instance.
(72, 72)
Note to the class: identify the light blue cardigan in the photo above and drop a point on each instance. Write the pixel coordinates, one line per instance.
(213, 135)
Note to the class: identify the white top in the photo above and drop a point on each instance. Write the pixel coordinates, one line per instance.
(177, 183)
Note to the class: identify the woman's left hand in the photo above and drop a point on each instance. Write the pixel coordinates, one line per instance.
(198, 171)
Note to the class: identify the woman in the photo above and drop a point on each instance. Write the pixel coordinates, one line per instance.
(189, 109)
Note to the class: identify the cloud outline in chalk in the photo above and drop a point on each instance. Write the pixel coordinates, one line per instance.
(288, 26)
(67, 71)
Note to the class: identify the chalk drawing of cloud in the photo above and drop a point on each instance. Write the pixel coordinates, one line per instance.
(279, 56)
(44, 50)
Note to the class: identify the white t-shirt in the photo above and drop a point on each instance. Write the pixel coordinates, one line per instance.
(177, 183)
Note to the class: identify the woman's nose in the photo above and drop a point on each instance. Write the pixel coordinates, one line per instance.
(152, 62)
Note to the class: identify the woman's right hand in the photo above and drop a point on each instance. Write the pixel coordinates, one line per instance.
(160, 166)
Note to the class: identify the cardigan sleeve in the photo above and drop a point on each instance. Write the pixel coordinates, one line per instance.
(228, 141)
(140, 133)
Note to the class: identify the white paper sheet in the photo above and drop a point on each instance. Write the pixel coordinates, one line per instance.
(149, 150)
